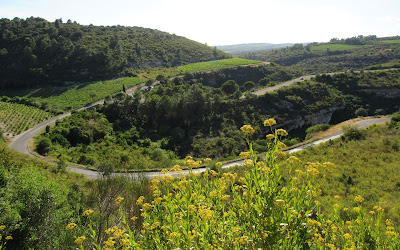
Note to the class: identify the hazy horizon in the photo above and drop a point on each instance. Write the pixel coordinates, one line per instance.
(225, 22)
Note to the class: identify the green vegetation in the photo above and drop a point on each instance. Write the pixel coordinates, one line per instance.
(390, 41)
(197, 211)
(226, 63)
(16, 118)
(316, 128)
(35, 51)
(367, 162)
(60, 99)
(334, 47)
(87, 138)
(354, 53)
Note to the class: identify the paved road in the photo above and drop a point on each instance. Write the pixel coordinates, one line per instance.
(288, 83)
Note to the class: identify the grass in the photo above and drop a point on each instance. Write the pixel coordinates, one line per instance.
(391, 41)
(65, 98)
(16, 118)
(225, 63)
(334, 47)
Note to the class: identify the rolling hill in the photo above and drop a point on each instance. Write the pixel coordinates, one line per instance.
(35, 51)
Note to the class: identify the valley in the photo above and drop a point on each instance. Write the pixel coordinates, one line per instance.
(120, 137)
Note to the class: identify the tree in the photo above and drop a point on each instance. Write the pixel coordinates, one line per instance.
(249, 85)
(149, 82)
(229, 87)
(237, 94)
(43, 147)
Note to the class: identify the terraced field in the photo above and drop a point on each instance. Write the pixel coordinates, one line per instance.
(16, 118)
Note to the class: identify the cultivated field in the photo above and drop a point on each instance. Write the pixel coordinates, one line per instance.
(334, 47)
(225, 63)
(16, 118)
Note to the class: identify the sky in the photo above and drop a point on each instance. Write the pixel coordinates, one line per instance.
(226, 22)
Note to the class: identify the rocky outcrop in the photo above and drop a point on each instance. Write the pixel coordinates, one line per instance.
(322, 116)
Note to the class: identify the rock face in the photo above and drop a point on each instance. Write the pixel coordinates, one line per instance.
(322, 116)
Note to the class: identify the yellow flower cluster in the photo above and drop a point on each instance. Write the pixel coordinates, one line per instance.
(270, 136)
(379, 209)
(70, 226)
(281, 132)
(294, 160)
(270, 122)
(359, 199)
(192, 163)
(9, 237)
(88, 212)
(245, 155)
(80, 239)
(248, 163)
(140, 200)
(247, 130)
(118, 200)
(2, 227)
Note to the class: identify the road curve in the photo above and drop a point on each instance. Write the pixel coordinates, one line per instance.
(20, 142)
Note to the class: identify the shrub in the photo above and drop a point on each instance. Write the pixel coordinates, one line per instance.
(352, 133)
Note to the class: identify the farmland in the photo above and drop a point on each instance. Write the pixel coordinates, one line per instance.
(391, 41)
(334, 47)
(16, 118)
(59, 99)
(225, 63)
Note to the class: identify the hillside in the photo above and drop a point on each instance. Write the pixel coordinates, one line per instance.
(34, 51)
(337, 55)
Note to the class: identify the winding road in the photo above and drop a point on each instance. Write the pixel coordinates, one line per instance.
(21, 141)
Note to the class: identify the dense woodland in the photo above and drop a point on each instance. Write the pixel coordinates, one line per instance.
(35, 51)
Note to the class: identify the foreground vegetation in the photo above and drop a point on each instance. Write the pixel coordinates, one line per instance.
(220, 210)
(294, 195)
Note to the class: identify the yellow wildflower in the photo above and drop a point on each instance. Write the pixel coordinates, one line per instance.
(357, 209)
(147, 206)
(88, 212)
(347, 236)
(245, 155)
(70, 226)
(2, 227)
(294, 160)
(9, 237)
(218, 164)
(118, 200)
(270, 136)
(207, 160)
(247, 130)
(140, 200)
(281, 132)
(270, 122)
(337, 197)
(80, 239)
(109, 242)
(157, 201)
(359, 199)
(248, 163)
